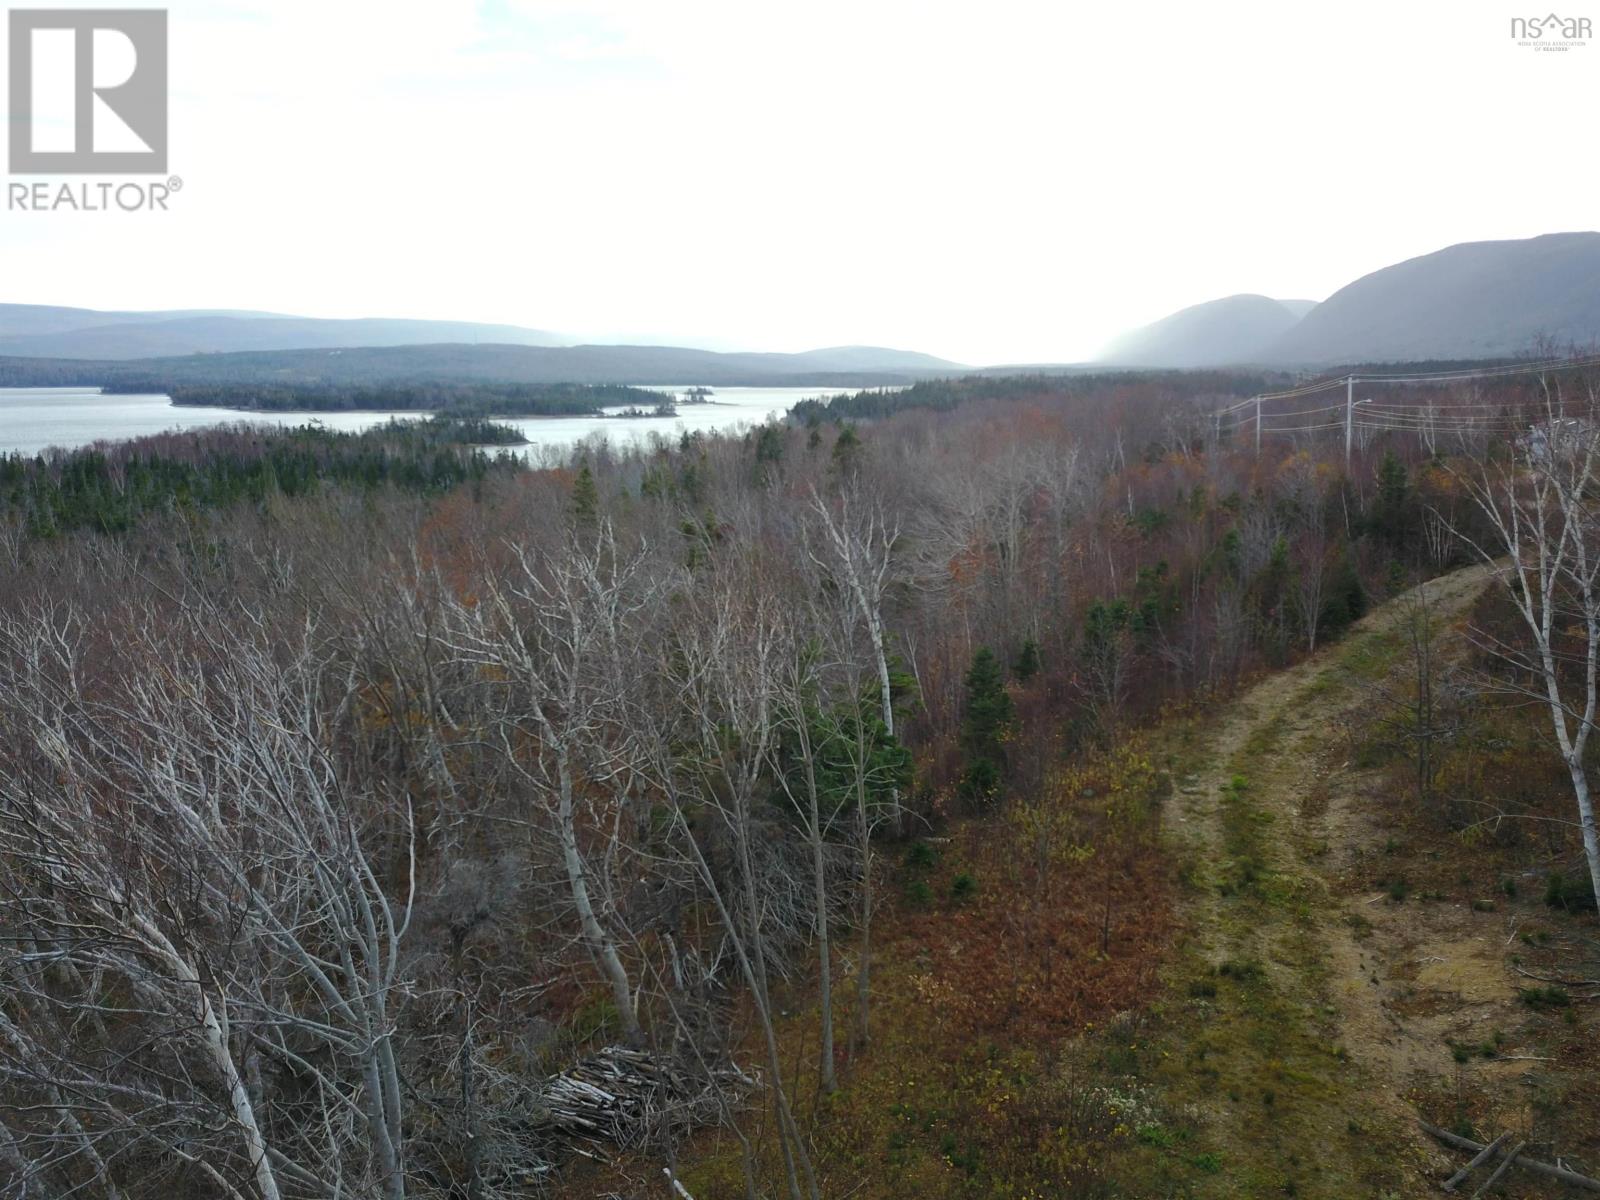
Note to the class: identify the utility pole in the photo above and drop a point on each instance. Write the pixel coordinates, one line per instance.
(1258, 426)
(1349, 417)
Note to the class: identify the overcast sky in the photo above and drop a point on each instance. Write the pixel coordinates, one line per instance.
(1010, 180)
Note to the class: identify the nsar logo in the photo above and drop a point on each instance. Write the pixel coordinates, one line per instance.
(1552, 32)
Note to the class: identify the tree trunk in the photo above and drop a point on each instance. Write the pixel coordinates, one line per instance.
(1586, 821)
(864, 970)
(600, 944)
(819, 871)
(216, 1044)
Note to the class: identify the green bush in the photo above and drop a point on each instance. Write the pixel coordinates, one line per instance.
(1154, 1135)
(921, 856)
(1545, 997)
(1574, 894)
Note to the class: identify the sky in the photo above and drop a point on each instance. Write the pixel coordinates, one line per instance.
(1005, 181)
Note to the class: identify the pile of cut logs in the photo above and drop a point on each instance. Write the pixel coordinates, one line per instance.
(629, 1097)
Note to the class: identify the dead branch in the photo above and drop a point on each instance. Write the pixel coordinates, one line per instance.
(1532, 1164)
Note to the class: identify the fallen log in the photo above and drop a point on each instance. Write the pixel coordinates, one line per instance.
(1505, 1165)
(1483, 1156)
(1532, 1164)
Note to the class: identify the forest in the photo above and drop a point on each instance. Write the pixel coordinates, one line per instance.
(463, 400)
(284, 383)
(783, 813)
(455, 399)
(108, 489)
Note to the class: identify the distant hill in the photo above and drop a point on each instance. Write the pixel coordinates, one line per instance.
(26, 319)
(874, 358)
(1235, 329)
(1473, 300)
(81, 334)
(369, 366)
(43, 332)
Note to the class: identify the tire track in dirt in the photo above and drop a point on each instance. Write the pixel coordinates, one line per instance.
(1307, 1067)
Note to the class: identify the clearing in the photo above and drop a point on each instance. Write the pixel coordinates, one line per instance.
(1318, 1006)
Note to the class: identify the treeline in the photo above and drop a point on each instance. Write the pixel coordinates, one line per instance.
(393, 809)
(455, 399)
(942, 395)
(250, 381)
(444, 429)
(109, 489)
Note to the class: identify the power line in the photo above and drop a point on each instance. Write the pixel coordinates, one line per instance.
(1430, 419)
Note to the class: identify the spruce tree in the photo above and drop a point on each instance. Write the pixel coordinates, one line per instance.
(988, 722)
(585, 498)
(1028, 661)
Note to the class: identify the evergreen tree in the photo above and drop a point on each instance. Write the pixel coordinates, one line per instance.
(1392, 509)
(1345, 601)
(769, 445)
(989, 719)
(846, 450)
(585, 498)
(1028, 662)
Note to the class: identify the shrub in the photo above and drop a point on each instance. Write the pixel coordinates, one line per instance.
(1154, 1135)
(596, 1020)
(1573, 895)
(963, 886)
(921, 856)
(1545, 997)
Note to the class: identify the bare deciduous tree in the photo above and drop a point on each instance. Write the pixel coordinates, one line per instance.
(188, 896)
(1541, 506)
(548, 640)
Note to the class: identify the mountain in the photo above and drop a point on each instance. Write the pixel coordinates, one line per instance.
(1235, 329)
(26, 319)
(44, 332)
(462, 363)
(874, 358)
(1473, 300)
(82, 334)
